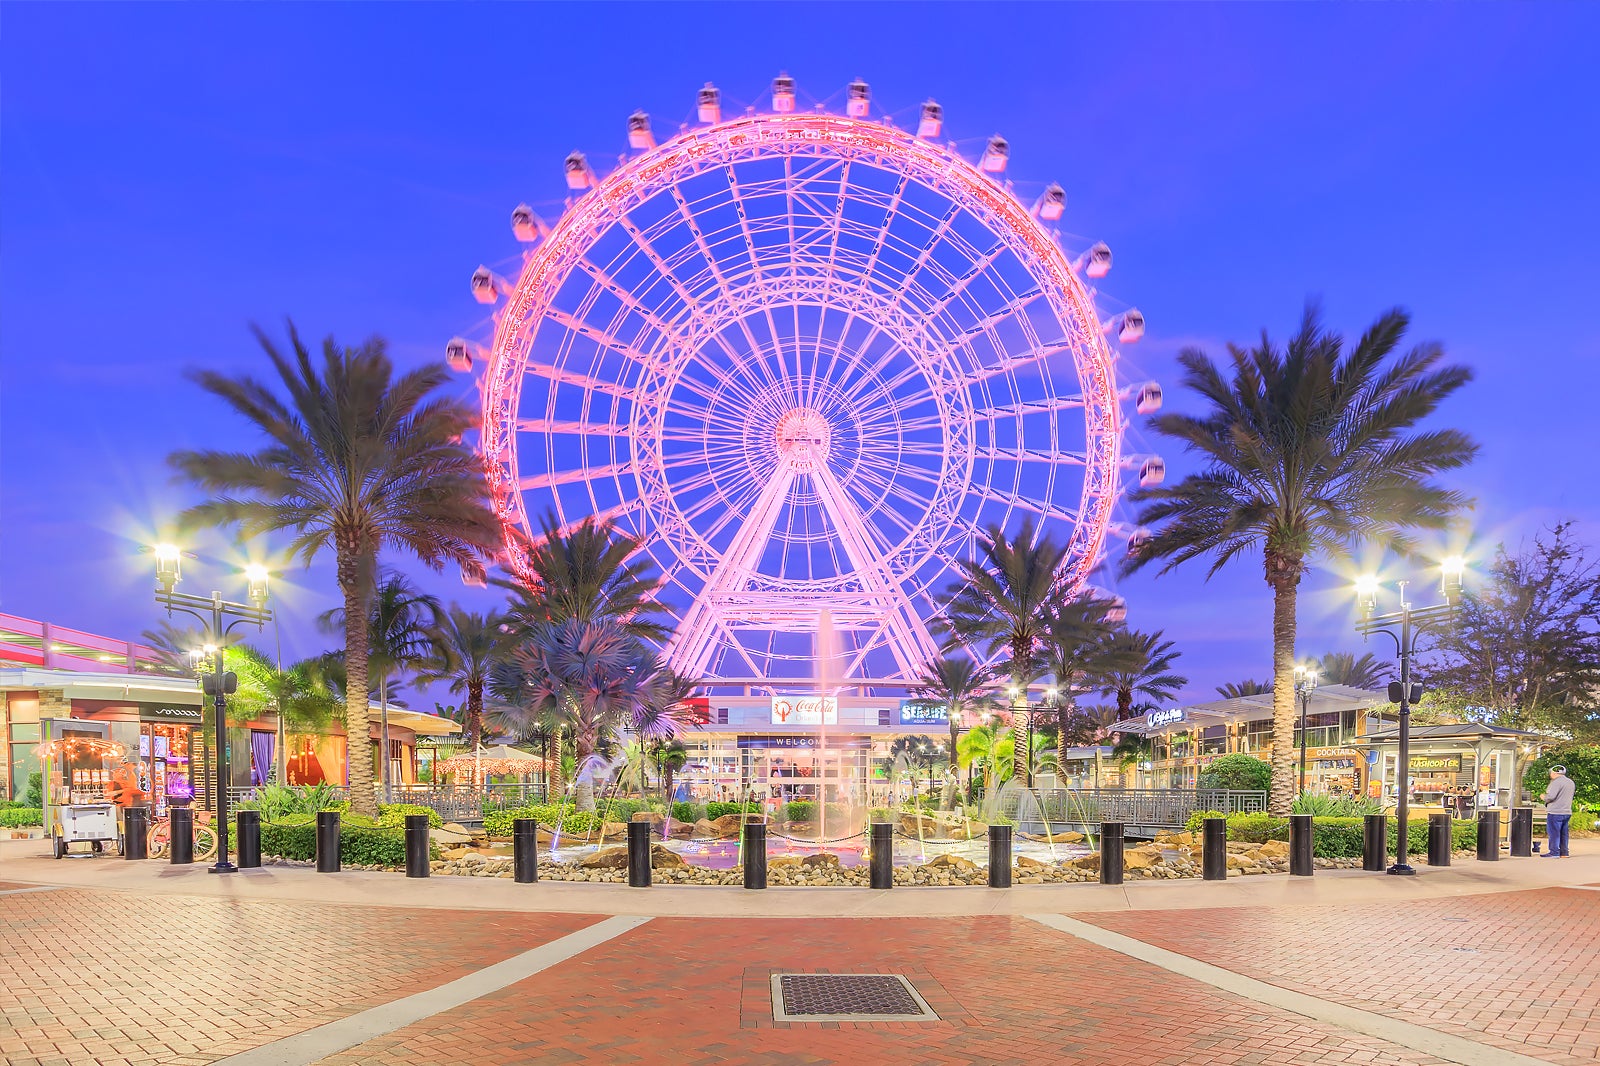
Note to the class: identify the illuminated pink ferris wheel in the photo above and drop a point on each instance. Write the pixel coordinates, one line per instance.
(805, 358)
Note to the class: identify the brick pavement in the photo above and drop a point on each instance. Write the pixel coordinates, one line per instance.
(120, 979)
(1009, 992)
(1517, 970)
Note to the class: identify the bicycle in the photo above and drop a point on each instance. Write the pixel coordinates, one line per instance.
(159, 840)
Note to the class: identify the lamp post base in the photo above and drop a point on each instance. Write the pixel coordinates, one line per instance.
(222, 868)
(1401, 869)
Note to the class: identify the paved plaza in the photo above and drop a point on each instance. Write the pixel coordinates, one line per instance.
(118, 964)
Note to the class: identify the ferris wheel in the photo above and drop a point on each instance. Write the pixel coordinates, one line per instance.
(806, 359)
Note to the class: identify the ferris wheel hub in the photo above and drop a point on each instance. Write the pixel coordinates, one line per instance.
(803, 437)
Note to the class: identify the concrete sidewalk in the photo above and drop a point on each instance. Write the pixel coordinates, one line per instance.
(27, 863)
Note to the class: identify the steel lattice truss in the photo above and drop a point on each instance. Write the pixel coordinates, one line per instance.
(805, 359)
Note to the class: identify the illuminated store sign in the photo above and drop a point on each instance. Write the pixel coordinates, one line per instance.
(915, 712)
(805, 710)
(1167, 717)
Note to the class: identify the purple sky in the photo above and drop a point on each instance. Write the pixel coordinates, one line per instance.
(170, 173)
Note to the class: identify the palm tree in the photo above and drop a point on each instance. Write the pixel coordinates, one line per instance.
(1078, 653)
(297, 694)
(1139, 664)
(1307, 450)
(595, 678)
(358, 459)
(955, 684)
(1004, 605)
(670, 756)
(464, 646)
(992, 748)
(583, 573)
(1345, 668)
(399, 620)
(1247, 687)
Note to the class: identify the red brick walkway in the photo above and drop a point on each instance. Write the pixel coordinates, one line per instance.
(117, 979)
(1515, 970)
(1008, 991)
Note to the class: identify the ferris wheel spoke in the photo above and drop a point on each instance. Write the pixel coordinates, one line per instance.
(561, 375)
(977, 329)
(576, 427)
(1038, 507)
(1030, 455)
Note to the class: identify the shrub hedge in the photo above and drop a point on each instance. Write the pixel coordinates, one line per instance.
(19, 817)
(1338, 838)
(1237, 771)
(362, 841)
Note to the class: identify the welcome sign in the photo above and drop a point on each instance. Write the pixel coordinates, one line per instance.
(805, 710)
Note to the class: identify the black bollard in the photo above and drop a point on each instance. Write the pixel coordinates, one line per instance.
(639, 854)
(1488, 836)
(882, 871)
(327, 842)
(181, 845)
(999, 856)
(1438, 840)
(1375, 843)
(1214, 849)
(1300, 831)
(136, 833)
(249, 826)
(1521, 832)
(525, 850)
(755, 855)
(1111, 853)
(418, 834)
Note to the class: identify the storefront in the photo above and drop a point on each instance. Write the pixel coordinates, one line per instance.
(1183, 741)
(1458, 767)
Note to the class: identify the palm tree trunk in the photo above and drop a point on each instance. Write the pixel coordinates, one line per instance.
(475, 714)
(383, 732)
(1283, 574)
(949, 801)
(357, 717)
(553, 770)
(583, 793)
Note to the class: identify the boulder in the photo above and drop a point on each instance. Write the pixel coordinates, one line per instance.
(681, 831)
(662, 856)
(652, 817)
(1028, 862)
(605, 859)
(821, 858)
(728, 825)
(914, 824)
(448, 836)
(1140, 858)
(777, 861)
(451, 854)
(705, 828)
(456, 827)
(950, 862)
(1276, 849)
(1237, 861)
(614, 831)
(1090, 862)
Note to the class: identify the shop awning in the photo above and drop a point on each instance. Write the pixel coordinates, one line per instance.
(1465, 732)
(1326, 699)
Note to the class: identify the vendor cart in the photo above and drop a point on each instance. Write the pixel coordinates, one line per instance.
(86, 823)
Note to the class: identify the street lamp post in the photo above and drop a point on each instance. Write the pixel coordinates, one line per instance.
(1403, 627)
(1305, 683)
(218, 616)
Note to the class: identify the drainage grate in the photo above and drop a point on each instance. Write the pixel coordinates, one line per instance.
(847, 997)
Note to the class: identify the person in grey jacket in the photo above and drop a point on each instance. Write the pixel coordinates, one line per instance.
(1558, 812)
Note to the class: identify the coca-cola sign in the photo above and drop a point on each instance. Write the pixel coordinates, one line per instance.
(805, 710)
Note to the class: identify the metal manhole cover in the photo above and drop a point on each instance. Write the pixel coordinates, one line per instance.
(847, 997)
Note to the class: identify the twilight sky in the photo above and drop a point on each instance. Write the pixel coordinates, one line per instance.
(170, 173)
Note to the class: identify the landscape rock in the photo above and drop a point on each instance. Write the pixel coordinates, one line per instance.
(705, 828)
(727, 826)
(950, 861)
(605, 859)
(821, 858)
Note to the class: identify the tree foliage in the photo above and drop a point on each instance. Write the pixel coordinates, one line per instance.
(1346, 668)
(1524, 651)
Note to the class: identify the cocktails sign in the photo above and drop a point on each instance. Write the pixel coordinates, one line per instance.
(805, 710)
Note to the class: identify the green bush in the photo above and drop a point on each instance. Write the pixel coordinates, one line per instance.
(799, 811)
(33, 795)
(1343, 838)
(1583, 766)
(21, 817)
(1194, 825)
(1321, 806)
(1238, 772)
(395, 814)
(362, 841)
(718, 810)
(549, 815)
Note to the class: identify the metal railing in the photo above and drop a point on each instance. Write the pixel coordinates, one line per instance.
(1169, 807)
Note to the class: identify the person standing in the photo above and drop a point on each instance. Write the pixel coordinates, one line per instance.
(1558, 812)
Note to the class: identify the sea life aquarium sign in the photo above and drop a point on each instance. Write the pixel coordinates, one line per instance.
(915, 712)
